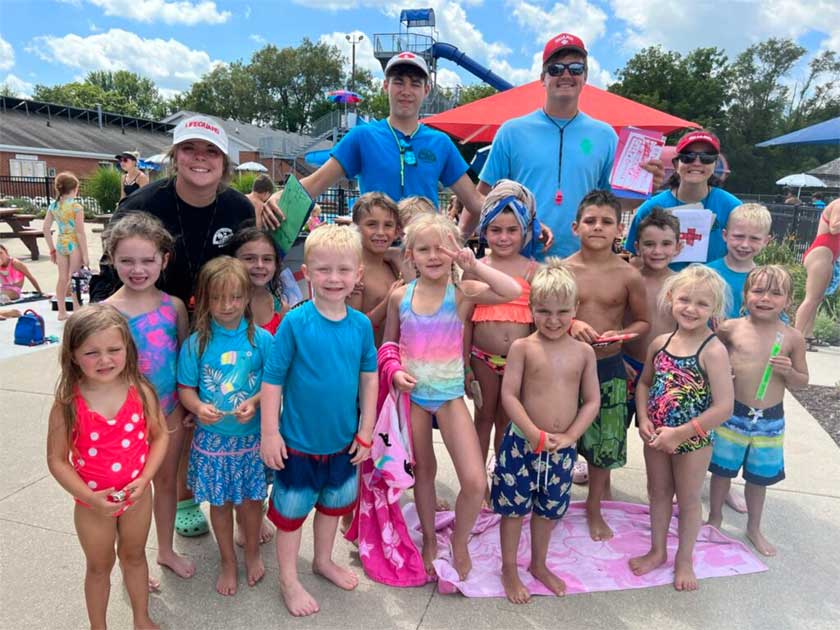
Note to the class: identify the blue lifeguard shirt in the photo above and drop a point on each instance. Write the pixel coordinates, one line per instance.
(317, 362)
(735, 280)
(718, 201)
(227, 373)
(371, 152)
(527, 150)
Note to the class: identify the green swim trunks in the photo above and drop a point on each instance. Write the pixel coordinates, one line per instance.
(604, 445)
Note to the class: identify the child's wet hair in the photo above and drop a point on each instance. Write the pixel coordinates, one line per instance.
(431, 222)
(411, 207)
(220, 274)
(262, 185)
(366, 203)
(660, 218)
(334, 238)
(139, 225)
(90, 320)
(754, 214)
(697, 276)
(777, 277)
(65, 183)
(553, 281)
(599, 198)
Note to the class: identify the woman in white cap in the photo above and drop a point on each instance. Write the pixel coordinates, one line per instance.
(133, 178)
(202, 213)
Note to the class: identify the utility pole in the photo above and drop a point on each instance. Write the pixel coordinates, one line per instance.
(353, 39)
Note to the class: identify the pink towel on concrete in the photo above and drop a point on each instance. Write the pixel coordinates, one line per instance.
(387, 552)
(585, 565)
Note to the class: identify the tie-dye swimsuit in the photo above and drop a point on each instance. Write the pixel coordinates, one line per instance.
(679, 393)
(431, 350)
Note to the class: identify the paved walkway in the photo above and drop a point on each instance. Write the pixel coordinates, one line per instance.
(42, 566)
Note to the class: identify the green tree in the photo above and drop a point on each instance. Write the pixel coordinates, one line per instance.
(227, 91)
(120, 92)
(475, 92)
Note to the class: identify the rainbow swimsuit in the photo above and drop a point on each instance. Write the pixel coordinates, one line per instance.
(431, 350)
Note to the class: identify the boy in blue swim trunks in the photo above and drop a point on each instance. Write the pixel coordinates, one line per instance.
(323, 360)
(657, 243)
(752, 438)
(547, 373)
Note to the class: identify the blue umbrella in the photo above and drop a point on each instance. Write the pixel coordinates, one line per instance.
(826, 132)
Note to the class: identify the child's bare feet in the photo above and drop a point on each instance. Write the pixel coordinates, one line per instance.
(715, 521)
(181, 566)
(736, 501)
(342, 577)
(760, 543)
(684, 578)
(227, 580)
(62, 316)
(429, 553)
(154, 585)
(145, 624)
(598, 528)
(254, 567)
(298, 601)
(266, 533)
(461, 560)
(515, 590)
(442, 505)
(648, 562)
(550, 579)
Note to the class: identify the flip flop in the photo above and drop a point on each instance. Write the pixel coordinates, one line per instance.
(580, 472)
(189, 519)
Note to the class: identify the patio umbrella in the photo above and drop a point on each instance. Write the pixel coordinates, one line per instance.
(826, 132)
(800, 181)
(157, 158)
(343, 96)
(480, 120)
(252, 166)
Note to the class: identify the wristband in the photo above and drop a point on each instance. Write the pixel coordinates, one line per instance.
(361, 442)
(701, 432)
(540, 443)
(467, 370)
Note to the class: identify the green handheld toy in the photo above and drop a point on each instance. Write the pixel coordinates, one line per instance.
(768, 371)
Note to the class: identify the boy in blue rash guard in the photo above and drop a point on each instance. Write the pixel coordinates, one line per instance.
(323, 360)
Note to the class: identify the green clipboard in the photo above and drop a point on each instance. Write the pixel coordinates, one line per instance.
(296, 204)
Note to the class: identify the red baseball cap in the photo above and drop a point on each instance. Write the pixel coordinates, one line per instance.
(563, 41)
(699, 136)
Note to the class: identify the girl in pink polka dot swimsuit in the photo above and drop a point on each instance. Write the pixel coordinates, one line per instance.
(106, 440)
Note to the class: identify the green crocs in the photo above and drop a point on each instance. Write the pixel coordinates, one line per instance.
(189, 519)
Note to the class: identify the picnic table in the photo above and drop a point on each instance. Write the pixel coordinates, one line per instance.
(21, 229)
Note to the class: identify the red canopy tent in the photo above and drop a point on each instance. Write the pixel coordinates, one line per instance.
(480, 120)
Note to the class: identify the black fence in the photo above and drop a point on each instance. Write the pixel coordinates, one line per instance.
(36, 193)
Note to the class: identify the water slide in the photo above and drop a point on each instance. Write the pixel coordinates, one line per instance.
(453, 54)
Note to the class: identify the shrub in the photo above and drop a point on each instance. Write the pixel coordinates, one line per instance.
(104, 187)
(23, 204)
(243, 182)
(827, 330)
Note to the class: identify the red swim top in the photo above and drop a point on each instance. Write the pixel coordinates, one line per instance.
(517, 310)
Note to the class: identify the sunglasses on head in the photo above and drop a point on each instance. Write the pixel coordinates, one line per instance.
(690, 156)
(575, 68)
(408, 153)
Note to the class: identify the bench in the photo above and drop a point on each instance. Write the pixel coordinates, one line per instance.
(21, 229)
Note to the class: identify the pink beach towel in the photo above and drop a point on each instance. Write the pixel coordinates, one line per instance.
(585, 565)
(386, 549)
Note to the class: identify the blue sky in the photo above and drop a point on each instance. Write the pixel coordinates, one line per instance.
(174, 42)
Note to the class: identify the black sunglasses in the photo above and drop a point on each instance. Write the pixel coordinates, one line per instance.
(408, 153)
(705, 158)
(575, 68)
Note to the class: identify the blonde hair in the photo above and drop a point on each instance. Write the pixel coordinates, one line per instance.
(777, 277)
(219, 274)
(65, 183)
(754, 214)
(140, 225)
(87, 321)
(554, 280)
(697, 276)
(434, 222)
(414, 206)
(334, 238)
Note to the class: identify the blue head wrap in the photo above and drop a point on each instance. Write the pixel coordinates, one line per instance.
(526, 217)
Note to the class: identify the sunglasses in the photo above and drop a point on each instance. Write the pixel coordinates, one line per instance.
(705, 158)
(408, 153)
(575, 68)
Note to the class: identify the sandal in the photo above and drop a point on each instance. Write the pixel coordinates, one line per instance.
(189, 519)
(580, 472)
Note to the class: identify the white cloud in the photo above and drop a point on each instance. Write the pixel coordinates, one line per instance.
(180, 12)
(20, 87)
(580, 17)
(364, 51)
(7, 55)
(169, 63)
(447, 78)
(257, 39)
(248, 12)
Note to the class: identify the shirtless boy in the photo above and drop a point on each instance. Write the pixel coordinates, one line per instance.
(607, 287)
(657, 243)
(378, 220)
(547, 373)
(262, 198)
(752, 438)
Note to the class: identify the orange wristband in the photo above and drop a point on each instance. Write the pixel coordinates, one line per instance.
(540, 443)
(361, 442)
(701, 432)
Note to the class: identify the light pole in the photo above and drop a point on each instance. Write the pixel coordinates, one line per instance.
(353, 41)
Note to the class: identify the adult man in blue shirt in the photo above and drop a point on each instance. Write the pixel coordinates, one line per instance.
(398, 155)
(557, 151)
